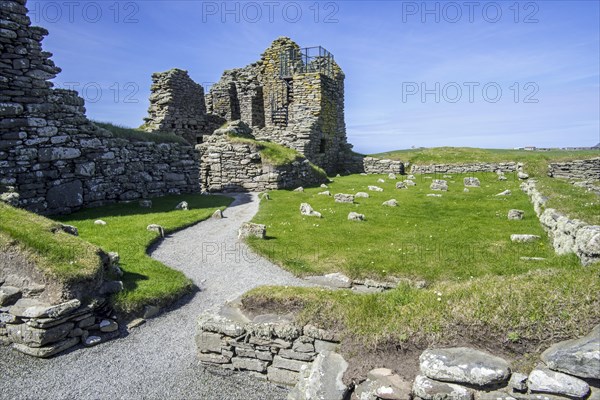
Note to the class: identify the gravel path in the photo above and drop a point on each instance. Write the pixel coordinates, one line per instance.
(158, 359)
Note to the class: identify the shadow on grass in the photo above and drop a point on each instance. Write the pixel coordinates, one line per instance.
(159, 205)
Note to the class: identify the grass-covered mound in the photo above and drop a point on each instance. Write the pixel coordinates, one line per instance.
(57, 254)
(573, 201)
(275, 154)
(146, 280)
(479, 290)
(139, 135)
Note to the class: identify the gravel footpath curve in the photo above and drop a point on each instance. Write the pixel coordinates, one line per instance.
(158, 359)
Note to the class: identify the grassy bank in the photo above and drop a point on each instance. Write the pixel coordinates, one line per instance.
(58, 254)
(146, 281)
(139, 135)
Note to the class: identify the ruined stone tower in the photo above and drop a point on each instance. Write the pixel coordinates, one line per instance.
(177, 106)
(291, 96)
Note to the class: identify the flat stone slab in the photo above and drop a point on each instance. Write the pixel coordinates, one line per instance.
(579, 357)
(382, 383)
(524, 238)
(29, 308)
(48, 351)
(515, 214)
(429, 389)
(464, 365)
(282, 376)
(335, 280)
(543, 380)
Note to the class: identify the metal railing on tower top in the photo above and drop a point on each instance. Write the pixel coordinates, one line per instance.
(306, 60)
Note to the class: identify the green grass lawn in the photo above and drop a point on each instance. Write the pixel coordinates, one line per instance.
(478, 286)
(58, 254)
(573, 201)
(457, 236)
(146, 281)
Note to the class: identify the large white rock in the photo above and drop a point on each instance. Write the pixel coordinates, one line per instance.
(543, 380)
(464, 365)
(471, 182)
(354, 216)
(343, 198)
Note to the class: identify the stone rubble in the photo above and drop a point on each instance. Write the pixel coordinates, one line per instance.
(515, 214)
(249, 229)
(354, 216)
(306, 209)
(439, 184)
(343, 198)
(471, 182)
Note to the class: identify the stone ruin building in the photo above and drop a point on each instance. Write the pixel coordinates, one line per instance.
(292, 96)
(54, 160)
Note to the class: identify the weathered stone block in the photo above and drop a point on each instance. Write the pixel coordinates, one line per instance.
(249, 364)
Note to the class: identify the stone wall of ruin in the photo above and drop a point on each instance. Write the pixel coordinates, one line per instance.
(52, 155)
(230, 166)
(576, 170)
(177, 105)
(567, 235)
(277, 352)
(463, 168)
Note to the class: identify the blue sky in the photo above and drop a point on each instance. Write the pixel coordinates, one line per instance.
(528, 73)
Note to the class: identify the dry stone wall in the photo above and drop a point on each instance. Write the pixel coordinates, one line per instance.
(568, 235)
(285, 353)
(41, 315)
(277, 351)
(52, 155)
(576, 170)
(373, 165)
(464, 168)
